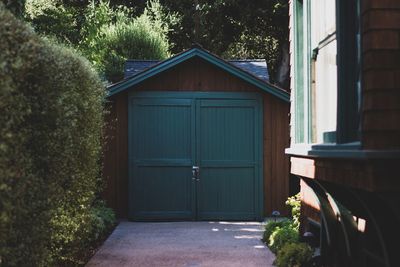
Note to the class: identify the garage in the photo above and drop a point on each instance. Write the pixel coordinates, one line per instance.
(187, 140)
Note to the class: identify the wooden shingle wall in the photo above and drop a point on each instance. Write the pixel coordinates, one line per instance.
(381, 74)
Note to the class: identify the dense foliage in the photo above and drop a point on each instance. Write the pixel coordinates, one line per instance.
(52, 113)
(112, 37)
(53, 19)
(294, 203)
(231, 29)
(107, 35)
(272, 226)
(282, 237)
(135, 39)
(294, 255)
(15, 6)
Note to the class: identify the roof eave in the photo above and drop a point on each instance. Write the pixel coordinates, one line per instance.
(123, 85)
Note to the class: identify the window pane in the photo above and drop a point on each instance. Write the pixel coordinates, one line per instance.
(324, 71)
(325, 92)
(323, 20)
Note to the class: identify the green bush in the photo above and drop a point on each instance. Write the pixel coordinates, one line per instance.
(139, 38)
(281, 236)
(133, 40)
(51, 119)
(54, 19)
(103, 219)
(99, 221)
(272, 226)
(294, 203)
(293, 255)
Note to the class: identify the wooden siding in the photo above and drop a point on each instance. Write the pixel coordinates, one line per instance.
(375, 175)
(198, 75)
(115, 159)
(381, 74)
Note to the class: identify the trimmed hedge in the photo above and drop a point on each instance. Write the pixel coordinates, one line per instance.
(51, 106)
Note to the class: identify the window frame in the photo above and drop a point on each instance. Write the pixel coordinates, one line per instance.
(298, 94)
(348, 75)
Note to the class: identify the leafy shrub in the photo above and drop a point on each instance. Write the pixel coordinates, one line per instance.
(136, 40)
(52, 116)
(293, 255)
(16, 7)
(110, 36)
(98, 15)
(103, 219)
(281, 236)
(294, 203)
(140, 38)
(272, 226)
(53, 19)
(99, 221)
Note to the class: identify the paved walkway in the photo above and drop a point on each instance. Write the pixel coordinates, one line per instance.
(188, 244)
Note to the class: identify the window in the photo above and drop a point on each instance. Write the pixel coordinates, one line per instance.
(326, 71)
(349, 72)
(323, 95)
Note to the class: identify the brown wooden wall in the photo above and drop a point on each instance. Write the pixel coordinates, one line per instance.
(381, 74)
(198, 75)
(115, 160)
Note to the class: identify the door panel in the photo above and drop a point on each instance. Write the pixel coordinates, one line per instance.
(227, 154)
(161, 159)
(163, 192)
(220, 133)
(226, 193)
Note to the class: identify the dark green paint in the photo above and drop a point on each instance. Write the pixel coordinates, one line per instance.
(171, 132)
(299, 71)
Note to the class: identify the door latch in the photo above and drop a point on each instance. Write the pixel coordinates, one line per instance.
(196, 172)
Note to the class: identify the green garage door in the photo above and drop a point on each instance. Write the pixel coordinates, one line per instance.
(195, 156)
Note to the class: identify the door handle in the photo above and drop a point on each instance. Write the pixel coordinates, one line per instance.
(195, 172)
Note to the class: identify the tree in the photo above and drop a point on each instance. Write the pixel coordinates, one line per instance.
(232, 28)
(124, 40)
(53, 19)
(228, 28)
(17, 7)
(111, 36)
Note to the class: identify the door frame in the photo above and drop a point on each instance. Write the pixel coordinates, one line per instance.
(195, 95)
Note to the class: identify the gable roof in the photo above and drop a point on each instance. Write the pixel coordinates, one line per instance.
(256, 67)
(205, 55)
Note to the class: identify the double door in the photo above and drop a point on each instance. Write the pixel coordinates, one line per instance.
(195, 156)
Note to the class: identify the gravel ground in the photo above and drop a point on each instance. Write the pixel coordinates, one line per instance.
(186, 244)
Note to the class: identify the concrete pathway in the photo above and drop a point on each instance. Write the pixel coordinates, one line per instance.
(188, 244)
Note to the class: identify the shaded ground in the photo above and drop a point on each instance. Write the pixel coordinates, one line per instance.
(186, 244)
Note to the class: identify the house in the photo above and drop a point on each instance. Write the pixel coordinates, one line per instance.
(196, 137)
(345, 127)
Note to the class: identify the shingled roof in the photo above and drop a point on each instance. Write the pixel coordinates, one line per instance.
(256, 67)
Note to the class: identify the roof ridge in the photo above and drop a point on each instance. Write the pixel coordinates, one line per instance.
(144, 60)
(247, 59)
(158, 60)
